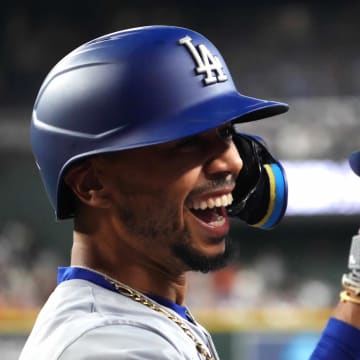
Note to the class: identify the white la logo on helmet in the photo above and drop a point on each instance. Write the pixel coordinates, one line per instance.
(206, 63)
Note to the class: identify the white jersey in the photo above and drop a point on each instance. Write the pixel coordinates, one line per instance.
(82, 320)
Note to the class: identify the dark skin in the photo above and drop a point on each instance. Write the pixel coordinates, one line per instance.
(154, 180)
(134, 207)
(348, 312)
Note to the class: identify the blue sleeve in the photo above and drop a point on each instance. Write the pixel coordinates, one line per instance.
(339, 341)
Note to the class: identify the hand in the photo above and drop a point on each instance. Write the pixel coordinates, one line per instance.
(348, 308)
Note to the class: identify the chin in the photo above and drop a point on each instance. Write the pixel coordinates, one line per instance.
(213, 257)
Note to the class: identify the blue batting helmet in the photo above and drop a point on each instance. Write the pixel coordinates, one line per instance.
(129, 89)
(355, 162)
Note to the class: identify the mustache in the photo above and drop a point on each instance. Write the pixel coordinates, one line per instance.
(214, 185)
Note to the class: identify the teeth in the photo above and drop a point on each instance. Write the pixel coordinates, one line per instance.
(220, 221)
(203, 205)
(224, 200)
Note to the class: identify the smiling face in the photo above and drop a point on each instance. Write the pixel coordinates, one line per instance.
(167, 201)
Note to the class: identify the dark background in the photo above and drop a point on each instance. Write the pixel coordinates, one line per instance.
(286, 50)
(277, 48)
(305, 53)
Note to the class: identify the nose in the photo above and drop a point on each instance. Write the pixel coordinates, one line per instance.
(224, 160)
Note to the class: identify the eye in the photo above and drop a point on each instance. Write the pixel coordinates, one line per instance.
(190, 140)
(188, 143)
(226, 132)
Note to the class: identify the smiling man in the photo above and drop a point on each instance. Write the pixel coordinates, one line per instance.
(134, 137)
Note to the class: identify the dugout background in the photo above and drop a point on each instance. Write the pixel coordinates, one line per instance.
(276, 297)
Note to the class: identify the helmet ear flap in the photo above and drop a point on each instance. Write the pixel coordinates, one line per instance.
(260, 195)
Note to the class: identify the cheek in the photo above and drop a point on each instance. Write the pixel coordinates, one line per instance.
(156, 222)
(154, 193)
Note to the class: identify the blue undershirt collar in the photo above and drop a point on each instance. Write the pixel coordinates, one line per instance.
(70, 273)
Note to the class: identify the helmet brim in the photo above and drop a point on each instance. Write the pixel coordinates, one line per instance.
(234, 107)
(231, 107)
(201, 117)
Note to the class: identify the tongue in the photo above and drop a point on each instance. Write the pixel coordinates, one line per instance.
(207, 215)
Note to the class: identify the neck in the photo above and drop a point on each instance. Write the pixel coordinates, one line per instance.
(125, 265)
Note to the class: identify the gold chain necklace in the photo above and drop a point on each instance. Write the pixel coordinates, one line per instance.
(140, 298)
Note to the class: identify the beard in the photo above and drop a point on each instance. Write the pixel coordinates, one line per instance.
(196, 261)
(164, 226)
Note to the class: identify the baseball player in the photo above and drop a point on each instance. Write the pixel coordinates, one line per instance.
(135, 139)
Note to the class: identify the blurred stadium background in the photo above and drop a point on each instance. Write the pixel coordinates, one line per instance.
(273, 301)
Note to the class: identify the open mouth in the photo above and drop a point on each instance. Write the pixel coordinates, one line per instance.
(211, 210)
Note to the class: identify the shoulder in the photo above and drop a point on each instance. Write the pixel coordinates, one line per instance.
(81, 318)
(127, 341)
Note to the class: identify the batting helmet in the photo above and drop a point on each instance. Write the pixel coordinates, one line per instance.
(129, 89)
(355, 162)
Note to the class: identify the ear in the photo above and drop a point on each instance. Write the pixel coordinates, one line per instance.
(83, 180)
